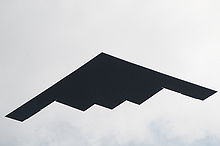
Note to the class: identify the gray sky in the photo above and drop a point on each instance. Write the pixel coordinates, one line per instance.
(43, 41)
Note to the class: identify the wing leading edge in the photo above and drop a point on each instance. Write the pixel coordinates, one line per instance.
(107, 81)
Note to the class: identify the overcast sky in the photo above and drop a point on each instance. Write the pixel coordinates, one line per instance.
(43, 41)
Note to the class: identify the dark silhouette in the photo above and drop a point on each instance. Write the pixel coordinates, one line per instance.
(107, 81)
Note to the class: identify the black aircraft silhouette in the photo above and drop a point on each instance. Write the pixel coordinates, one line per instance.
(107, 81)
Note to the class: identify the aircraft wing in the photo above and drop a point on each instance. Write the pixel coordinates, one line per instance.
(107, 81)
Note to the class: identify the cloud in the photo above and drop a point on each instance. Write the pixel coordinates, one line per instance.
(61, 133)
(156, 123)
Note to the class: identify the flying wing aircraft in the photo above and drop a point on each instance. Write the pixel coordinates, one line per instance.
(107, 81)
